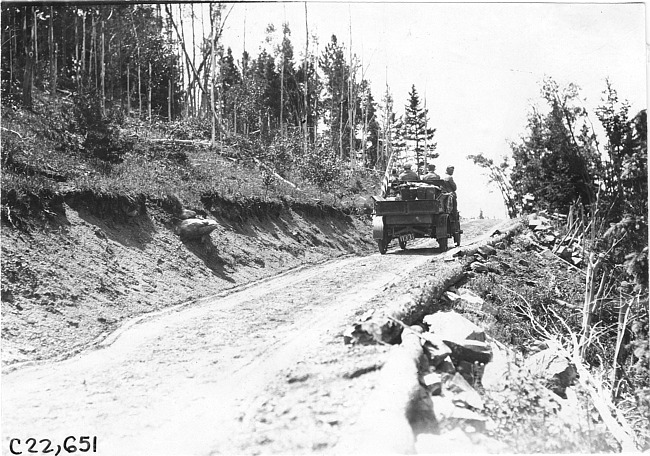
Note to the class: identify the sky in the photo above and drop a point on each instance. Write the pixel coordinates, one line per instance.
(478, 65)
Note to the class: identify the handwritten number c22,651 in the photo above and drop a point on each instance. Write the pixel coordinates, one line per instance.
(70, 445)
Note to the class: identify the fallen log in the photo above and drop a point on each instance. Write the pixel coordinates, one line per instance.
(276, 175)
(192, 142)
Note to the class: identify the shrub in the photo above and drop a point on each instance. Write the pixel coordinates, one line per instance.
(529, 419)
(102, 135)
(321, 166)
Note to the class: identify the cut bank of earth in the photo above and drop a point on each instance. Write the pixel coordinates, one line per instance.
(99, 261)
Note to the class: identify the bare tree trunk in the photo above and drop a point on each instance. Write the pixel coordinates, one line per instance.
(282, 96)
(212, 73)
(56, 67)
(192, 91)
(365, 129)
(137, 43)
(77, 64)
(35, 25)
(169, 99)
(28, 74)
(351, 97)
(169, 81)
(234, 115)
(12, 53)
(128, 88)
(50, 45)
(139, 86)
(149, 92)
(94, 51)
(305, 120)
(341, 126)
(120, 62)
(103, 72)
(83, 44)
(315, 111)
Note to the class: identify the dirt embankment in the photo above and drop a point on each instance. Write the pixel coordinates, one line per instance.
(93, 261)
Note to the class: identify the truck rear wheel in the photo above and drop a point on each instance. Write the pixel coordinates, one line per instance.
(402, 244)
(383, 245)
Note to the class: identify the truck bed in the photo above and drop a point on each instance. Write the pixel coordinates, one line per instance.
(387, 207)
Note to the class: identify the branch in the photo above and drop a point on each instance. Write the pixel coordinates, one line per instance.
(14, 132)
(277, 176)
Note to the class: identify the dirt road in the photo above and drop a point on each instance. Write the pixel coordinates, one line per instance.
(261, 369)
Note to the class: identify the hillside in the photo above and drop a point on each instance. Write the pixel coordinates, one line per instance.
(88, 244)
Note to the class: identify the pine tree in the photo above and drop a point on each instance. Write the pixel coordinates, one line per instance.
(416, 132)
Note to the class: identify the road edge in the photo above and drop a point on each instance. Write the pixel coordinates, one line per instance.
(399, 405)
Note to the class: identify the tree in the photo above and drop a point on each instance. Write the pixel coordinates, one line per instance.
(416, 132)
(337, 74)
(553, 162)
(370, 126)
(499, 175)
(386, 123)
(624, 171)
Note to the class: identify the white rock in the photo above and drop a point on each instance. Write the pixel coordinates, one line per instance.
(196, 228)
(470, 297)
(187, 214)
(453, 326)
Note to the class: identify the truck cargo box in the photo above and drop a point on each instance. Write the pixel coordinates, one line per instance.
(407, 207)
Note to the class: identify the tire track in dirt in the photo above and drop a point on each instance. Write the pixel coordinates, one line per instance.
(190, 381)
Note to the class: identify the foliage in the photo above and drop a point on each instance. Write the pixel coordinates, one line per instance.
(529, 419)
(102, 138)
(499, 175)
(192, 128)
(337, 76)
(557, 161)
(321, 166)
(139, 57)
(415, 130)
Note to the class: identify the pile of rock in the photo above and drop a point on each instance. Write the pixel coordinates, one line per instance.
(543, 237)
(482, 262)
(456, 352)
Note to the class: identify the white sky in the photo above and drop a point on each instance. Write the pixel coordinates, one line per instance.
(480, 64)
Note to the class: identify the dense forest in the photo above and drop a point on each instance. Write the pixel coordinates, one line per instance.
(168, 62)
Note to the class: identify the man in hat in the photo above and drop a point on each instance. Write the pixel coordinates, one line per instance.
(394, 177)
(431, 175)
(408, 175)
(449, 185)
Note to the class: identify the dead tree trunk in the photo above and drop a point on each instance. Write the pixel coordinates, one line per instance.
(149, 93)
(28, 74)
(35, 37)
(52, 54)
(103, 72)
(83, 43)
(128, 88)
(77, 64)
